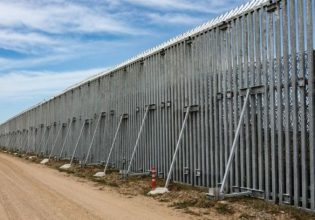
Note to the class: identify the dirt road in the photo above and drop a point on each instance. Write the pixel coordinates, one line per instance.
(30, 191)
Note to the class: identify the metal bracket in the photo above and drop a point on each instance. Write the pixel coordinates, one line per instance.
(74, 119)
(103, 114)
(141, 61)
(193, 108)
(254, 90)
(162, 52)
(219, 96)
(151, 107)
(64, 125)
(198, 173)
(239, 194)
(125, 116)
(186, 170)
(223, 26)
(168, 104)
(162, 104)
(229, 94)
(272, 6)
(112, 112)
(189, 41)
(287, 199)
(161, 175)
(301, 82)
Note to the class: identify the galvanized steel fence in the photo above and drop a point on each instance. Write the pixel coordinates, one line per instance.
(264, 46)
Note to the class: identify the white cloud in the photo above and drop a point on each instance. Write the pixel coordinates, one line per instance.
(29, 43)
(65, 51)
(58, 17)
(174, 19)
(206, 6)
(24, 85)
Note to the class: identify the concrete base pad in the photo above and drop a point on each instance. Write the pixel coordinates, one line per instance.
(214, 192)
(159, 190)
(65, 167)
(46, 160)
(99, 174)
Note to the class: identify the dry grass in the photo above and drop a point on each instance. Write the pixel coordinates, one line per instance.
(187, 199)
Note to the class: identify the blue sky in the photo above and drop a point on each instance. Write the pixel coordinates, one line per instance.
(48, 45)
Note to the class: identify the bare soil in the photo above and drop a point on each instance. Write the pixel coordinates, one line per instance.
(183, 201)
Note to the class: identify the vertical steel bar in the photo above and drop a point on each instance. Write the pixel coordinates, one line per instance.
(271, 45)
(253, 101)
(288, 144)
(296, 172)
(279, 104)
(266, 105)
(310, 51)
(302, 104)
(258, 50)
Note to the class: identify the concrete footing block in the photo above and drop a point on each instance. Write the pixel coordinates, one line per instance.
(65, 166)
(158, 191)
(46, 160)
(99, 174)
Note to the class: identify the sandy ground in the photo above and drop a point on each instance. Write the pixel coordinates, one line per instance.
(30, 191)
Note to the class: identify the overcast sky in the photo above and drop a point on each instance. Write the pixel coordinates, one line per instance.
(47, 45)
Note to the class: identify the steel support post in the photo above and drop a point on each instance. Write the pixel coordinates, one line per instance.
(45, 146)
(92, 141)
(138, 138)
(65, 140)
(177, 147)
(77, 144)
(55, 142)
(113, 143)
(232, 153)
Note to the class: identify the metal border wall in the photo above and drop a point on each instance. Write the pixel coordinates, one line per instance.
(264, 46)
